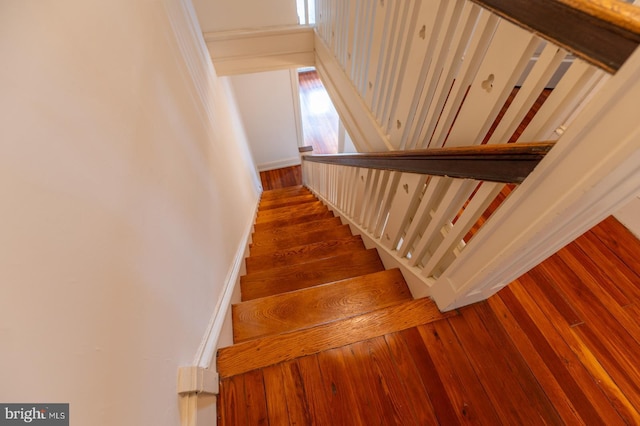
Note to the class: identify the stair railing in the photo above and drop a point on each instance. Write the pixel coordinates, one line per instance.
(421, 206)
(434, 75)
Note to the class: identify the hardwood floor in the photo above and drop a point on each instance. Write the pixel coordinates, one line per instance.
(560, 345)
(319, 117)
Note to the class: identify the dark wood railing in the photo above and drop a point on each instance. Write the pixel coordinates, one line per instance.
(602, 32)
(508, 163)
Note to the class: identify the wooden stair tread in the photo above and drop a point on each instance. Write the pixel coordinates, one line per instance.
(265, 246)
(295, 230)
(317, 305)
(287, 221)
(290, 278)
(288, 212)
(303, 253)
(289, 191)
(253, 354)
(288, 201)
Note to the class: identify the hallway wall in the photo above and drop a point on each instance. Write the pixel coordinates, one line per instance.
(265, 100)
(126, 186)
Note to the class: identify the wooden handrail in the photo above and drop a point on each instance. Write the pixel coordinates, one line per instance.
(602, 32)
(508, 163)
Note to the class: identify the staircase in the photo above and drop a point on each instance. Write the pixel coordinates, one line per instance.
(312, 286)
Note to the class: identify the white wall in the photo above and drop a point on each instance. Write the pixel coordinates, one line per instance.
(268, 114)
(219, 15)
(265, 101)
(629, 216)
(123, 202)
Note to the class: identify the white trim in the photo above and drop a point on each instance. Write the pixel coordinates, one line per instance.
(197, 379)
(188, 35)
(272, 165)
(629, 216)
(262, 49)
(366, 133)
(297, 112)
(206, 352)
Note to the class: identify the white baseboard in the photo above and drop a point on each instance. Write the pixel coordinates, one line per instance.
(272, 165)
(629, 216)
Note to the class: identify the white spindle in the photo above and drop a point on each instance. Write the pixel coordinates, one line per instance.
(447, 209)
(435, 37)
(478, 45)
(388, 197)
(544, 68)
(478, 204)
(436, 187)
(371, 197)
(403, 208)
(454, 63)
(562, 101)
(434, 74)
(396, 60)
(380, 24)
(507, 56)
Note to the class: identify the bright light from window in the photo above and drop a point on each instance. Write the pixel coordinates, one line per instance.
(306, 8)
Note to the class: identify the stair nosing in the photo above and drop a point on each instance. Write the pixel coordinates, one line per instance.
(266, 345)
(292, 293)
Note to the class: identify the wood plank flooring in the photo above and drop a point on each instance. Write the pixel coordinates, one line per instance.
(319, 116)
(560, 345)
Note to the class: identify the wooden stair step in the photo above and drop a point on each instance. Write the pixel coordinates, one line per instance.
(295, 230)
(317, 305)
(303, 275)
(286, 241)
(288, 212)
(290, 191)
(288, 201)
(286, 221)
(303, 253)
(253, 354)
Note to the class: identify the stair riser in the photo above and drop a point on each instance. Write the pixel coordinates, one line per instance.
(310, 274)
(291, 191)
(269, 246)
(293, 201)
(303, 254)
(295, 230)
(304, 218)
(287, 212)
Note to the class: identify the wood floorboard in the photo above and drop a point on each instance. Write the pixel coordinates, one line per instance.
(464, 389)
(275, 395)
(443, 407)
(316, 391)
(418, 400)
(560, 345)
(580, 360)
(502, 369)
(343, 397)
(570, 401)
(319, 117)
(255, 398)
